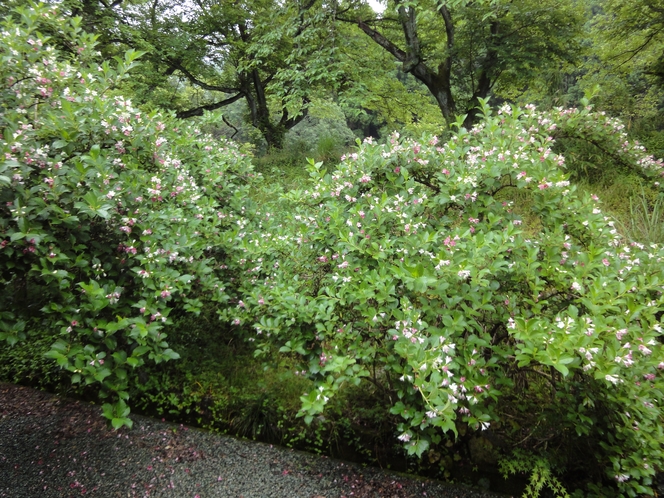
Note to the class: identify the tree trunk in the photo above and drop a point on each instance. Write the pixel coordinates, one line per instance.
(486, 79)
(438, 82)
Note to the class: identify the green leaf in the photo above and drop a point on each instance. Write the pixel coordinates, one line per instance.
(561, 368)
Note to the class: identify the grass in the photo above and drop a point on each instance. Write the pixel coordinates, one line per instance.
(637, 207)
(646, 220)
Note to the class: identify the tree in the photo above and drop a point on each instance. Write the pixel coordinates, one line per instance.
(374, 90)
(208, 54)
(462, 53)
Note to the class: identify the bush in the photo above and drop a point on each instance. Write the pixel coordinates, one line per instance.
(405, 270)
(109, 217)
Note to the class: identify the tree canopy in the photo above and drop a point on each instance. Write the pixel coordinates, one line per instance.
(461, 53)
(275, 56)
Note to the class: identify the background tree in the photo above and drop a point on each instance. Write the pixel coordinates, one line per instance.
(460, 54)
(208, 54)
(628, 39)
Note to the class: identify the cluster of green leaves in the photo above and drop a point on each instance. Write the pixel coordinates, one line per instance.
(110, 217)
(403, 267)
(540, 472)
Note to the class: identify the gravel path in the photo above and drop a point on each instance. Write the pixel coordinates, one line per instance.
(54, 447)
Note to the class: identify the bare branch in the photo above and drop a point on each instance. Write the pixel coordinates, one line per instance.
(195, 81)
(638, 49)
(198, 111)
(382, 41)
(223, 118)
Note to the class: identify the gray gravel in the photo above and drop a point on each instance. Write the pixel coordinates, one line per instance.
(53, 447)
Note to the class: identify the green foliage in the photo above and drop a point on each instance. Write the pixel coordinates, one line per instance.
(25, 363)
(219, 385)
(633, 32)
(406, 269)
(433, 289)
(541, 476)
(623, 65)
(110, 217)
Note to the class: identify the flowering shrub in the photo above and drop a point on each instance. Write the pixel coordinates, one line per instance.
(109, 217)
(408, 267)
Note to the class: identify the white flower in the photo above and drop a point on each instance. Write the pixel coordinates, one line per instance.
(614, 379)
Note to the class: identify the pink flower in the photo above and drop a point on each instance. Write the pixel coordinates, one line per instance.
(165, 294)
(606, 262)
